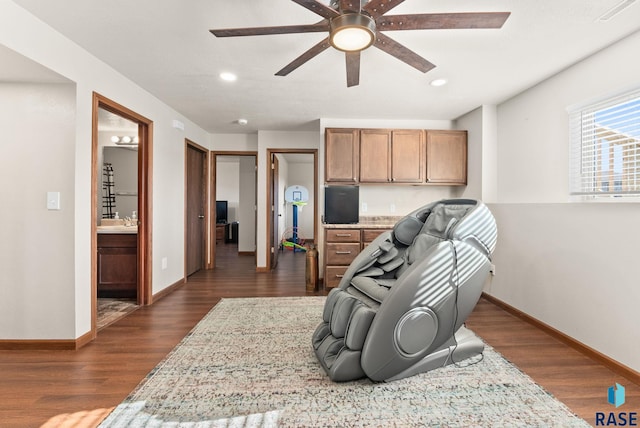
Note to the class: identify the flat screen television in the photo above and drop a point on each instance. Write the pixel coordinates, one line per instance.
(222, 212)
(341, 204)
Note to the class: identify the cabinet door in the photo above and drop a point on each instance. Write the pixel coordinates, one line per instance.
(375, 156)
(407, 156)
(117, 272)
(447, 157)
(341, 155)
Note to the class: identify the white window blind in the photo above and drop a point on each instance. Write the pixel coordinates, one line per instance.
(605, 147)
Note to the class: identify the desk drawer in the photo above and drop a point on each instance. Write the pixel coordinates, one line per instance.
(341, 254)
(333, 275)
(368, 235)
(343, 235)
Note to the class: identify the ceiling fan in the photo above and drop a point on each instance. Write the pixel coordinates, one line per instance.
(355, 25)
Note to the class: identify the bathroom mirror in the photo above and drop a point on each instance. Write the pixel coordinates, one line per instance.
(119, 181)
(117, 166)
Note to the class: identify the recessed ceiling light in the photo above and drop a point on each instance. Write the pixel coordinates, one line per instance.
(228, 77)
(242, 121)
(439, 82)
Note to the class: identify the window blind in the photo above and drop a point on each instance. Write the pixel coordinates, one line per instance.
(605, 147)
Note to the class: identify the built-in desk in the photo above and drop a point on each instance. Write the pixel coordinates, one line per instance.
(343, 242)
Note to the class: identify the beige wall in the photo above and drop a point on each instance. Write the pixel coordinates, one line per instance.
(61, 157)
(37, 245)
(572, 265)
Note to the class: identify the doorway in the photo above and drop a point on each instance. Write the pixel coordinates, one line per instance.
(289, 167)
(233, 205)
(196, 212)
(124, 240)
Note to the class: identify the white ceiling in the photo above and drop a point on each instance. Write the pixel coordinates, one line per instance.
(166, 48)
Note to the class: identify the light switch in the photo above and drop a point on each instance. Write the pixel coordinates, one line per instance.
(53, 200)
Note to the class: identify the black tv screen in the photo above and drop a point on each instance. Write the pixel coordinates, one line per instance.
(341, 204)
(221, 212)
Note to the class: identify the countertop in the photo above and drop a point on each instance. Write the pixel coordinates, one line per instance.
(367, 222)
(118, 229)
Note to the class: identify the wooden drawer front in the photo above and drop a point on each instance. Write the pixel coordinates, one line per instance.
(333, 275)
(368, 235)
(117, 240)
(343, 235)
(342, 254)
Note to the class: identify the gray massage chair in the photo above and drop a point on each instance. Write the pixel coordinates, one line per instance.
(400, 307)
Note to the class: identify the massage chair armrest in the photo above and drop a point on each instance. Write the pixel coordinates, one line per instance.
(422, 311)
(407, 326)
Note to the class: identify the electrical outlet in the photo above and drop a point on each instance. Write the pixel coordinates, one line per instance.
(364, 207)
(392, 208)
(164, 263)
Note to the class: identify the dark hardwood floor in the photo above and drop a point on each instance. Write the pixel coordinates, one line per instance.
(77, 388)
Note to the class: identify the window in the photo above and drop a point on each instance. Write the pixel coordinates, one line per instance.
(605, 147)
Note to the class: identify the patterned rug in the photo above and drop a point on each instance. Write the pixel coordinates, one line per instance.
(111, 310)
(249, 362)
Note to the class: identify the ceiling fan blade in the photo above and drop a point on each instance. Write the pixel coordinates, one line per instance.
(349, 6)
(261, 31)
(376, 8)
(393, 48)
(317, 49)
(442, 21)
(319, 8)
(353, 68)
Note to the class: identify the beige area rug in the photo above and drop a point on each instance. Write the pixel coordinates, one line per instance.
(249, 362)
(111, 310)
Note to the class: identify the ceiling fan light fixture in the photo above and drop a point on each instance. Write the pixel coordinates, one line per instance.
(352, 32)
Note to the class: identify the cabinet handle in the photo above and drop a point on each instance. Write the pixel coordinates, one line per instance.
(339, 276)
(343, 235)
(343, 252)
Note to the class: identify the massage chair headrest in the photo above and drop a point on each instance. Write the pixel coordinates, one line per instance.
(458, 219)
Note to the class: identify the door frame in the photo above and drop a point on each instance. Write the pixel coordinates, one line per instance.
(145, 145)
(270, 153)
(273, 172)
(212, 198)
(207, 217)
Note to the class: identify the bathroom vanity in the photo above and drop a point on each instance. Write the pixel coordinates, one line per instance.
(117, 261)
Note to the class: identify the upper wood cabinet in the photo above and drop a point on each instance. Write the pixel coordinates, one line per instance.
(447, 157)
(375, 156)
(407, 156)
(395, 156)
(391, 156)
(341, 155)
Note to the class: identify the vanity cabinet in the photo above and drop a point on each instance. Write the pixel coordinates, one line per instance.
(117, 265)
(447, 157)
(342, 245)
(341, 155)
